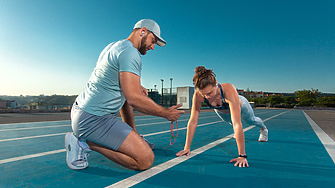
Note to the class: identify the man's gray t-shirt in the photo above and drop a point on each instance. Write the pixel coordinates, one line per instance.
(103, 94)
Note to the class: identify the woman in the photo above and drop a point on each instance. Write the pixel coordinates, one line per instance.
(228, 105)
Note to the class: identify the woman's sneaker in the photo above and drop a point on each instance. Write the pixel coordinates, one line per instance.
(76, 152)
(263, 137)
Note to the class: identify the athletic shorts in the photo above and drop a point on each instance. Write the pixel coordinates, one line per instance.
(105, 130)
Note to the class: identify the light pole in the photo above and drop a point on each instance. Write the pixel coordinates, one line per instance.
(171, 91)
(162, 91)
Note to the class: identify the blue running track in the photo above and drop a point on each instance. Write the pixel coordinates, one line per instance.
(298, 154)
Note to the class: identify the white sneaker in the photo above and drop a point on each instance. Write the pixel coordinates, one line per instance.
(76, 152)
(151, 145)
(263, 137)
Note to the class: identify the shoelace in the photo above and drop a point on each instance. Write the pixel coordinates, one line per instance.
(263, 133)
(172, 136)
(82, 156)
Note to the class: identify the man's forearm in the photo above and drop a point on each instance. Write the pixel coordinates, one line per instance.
(147, 106)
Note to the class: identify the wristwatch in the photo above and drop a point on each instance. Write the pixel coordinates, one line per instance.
(244, 156)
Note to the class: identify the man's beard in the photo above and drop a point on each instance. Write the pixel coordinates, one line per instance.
(143, 47)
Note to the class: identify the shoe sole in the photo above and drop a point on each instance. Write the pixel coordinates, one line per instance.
(262, 140)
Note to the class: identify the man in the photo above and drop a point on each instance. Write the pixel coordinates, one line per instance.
(114, 87)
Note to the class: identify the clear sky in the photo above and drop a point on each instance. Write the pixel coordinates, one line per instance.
(51, 46)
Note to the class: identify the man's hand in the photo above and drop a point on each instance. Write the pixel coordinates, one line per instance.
(135, 98)
(241, 162)
(173, 113)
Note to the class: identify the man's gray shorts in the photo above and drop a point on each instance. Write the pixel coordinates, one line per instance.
(105, 130)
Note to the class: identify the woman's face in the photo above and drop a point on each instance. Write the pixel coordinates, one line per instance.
(209, 91)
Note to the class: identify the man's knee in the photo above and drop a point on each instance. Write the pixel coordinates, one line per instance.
(146, 161)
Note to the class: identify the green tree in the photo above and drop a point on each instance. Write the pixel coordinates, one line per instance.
(290, 101)
(255, 100)
(262, 100)
(307, 97)
(276, 99)
(247, 94)
(325, 101)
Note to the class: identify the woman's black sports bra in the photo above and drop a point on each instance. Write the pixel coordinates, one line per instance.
(224, 106)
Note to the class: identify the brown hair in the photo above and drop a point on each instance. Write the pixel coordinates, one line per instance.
(203, 77)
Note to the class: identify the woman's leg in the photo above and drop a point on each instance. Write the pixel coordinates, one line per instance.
(247, 114)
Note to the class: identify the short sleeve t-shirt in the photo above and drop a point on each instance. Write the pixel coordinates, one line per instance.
(103, 94)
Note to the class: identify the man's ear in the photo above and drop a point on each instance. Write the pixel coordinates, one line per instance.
(143, 30)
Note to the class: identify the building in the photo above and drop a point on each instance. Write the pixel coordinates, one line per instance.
(256, 94)
(48, 106)
(2, 104)
(240, 92)
(8, 104)
(273, 94)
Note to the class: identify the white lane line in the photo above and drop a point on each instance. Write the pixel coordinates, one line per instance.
(39, 136)
(28, 123)
(261, 113)
(327, 142)
(275, 116)
(180, 128)
(26, 128)
(31, 156)
(41, 122)
(135, 179)
(169, 121)
(63, 150)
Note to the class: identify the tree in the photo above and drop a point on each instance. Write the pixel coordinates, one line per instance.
(247, 94)
(258, 101)
(307, 97)
(290, 101)
(276, 99)
(325, 101)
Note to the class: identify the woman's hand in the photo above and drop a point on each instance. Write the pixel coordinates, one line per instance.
(241, 162)
(183, 152)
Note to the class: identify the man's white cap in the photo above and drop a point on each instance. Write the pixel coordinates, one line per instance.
(153, 27)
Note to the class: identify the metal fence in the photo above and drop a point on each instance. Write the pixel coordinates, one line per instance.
(166, 97)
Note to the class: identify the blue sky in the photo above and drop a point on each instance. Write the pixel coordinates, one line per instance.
(51, 46)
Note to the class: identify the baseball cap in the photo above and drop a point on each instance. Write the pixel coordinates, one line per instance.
(153, 27)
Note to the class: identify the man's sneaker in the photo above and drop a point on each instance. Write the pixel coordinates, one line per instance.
(151, 145)
(76, 152)
(263, 137)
